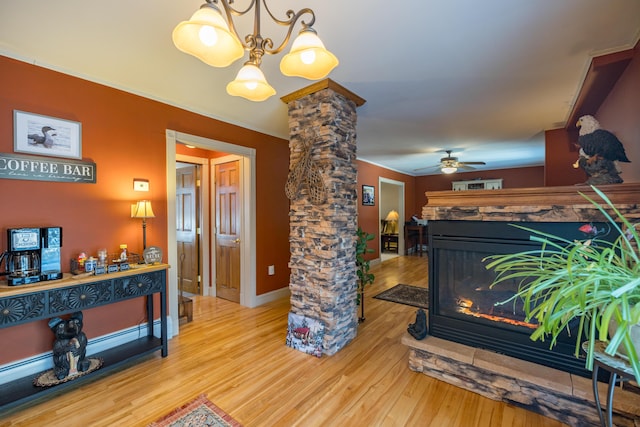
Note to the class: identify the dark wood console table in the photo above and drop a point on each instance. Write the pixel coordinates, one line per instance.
(419, 231)
(44, 300)
(389, 242)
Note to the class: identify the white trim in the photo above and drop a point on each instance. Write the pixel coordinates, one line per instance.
(41, 362)
(273, 296)
(248, 124)
(248, 263)
(400, 202)
(172, 245)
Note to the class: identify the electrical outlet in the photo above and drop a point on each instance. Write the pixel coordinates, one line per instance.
(272, 270)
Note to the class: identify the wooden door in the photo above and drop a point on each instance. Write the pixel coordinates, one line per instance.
(187, 229)
(227, 179)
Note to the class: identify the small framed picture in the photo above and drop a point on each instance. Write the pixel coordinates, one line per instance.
(368, 195)
(46, 136)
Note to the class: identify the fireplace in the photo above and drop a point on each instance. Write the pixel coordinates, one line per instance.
(464, 309)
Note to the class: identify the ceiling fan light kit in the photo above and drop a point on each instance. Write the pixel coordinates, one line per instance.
(450, 164)
(215, 41)
(449, 169)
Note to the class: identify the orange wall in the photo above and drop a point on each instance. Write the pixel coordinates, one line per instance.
(511, 178)
(620, 114)
(560, 154)
(368, 218)
(124, 135)
(415, 188)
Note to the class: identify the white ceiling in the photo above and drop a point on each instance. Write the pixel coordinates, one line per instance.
(482, 78)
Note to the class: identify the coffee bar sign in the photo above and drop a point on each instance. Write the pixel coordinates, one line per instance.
(36, 168)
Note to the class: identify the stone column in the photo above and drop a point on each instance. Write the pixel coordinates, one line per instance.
(323, 210)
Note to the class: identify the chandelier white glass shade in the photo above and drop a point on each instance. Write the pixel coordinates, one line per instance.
(308, 57)
(215, 41)
(207, 37)
(250, 83)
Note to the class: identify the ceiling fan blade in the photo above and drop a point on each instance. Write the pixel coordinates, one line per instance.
(465, 167)
(427, 168)
(471, 163)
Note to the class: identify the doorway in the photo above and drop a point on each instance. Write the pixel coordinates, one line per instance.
(188, 228)
(228, 226)
(391, 198)
(247, 249)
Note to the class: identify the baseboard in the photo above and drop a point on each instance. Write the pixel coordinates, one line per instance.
(41, 362)
(273, 295)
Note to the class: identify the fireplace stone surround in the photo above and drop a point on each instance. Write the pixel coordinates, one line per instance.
(557, 394)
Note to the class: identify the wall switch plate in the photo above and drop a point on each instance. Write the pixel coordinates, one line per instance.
(272, 270)
(140, 184)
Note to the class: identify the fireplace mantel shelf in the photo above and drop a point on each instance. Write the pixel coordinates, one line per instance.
(562, 196)
(537, 204)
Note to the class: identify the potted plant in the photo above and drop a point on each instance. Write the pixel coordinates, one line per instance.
(362, 267)
(594, 283)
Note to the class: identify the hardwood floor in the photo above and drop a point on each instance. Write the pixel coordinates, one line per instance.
(237, 357)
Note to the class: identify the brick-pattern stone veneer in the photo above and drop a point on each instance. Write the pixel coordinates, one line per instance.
(540, 204)
(322, 237)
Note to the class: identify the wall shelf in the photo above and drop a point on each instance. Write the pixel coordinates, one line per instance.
(477, 184)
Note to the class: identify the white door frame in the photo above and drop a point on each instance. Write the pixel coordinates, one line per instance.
(247, 243)
(400, 203)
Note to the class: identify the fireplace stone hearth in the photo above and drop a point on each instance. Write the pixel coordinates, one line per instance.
(559, 395)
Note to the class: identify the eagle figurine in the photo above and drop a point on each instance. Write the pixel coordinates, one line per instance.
(599, 152)
(596, 142)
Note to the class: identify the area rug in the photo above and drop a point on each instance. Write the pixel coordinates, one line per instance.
(406, 294)
(199, 412)
(48, 378)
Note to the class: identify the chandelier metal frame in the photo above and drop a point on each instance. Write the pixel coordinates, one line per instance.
(255, 43)
(212, 36)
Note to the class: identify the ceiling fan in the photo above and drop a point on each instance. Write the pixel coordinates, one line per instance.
(450, 164)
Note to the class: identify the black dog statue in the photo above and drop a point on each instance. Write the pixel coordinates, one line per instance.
(69, 347)
(418, 330)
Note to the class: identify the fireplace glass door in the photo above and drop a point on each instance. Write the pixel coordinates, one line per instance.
(465, 309)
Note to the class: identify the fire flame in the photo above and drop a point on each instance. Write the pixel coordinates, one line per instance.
(465, 305)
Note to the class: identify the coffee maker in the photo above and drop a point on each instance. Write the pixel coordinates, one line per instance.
(33, 255)
(50, 253)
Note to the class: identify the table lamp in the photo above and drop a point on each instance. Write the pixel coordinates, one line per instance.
(142, 209)
(392, 222)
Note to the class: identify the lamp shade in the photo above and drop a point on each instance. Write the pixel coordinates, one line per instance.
(142, 209)
(251, 84)
(449, 169)
(392, 216)
(308, 57)
(207, 37)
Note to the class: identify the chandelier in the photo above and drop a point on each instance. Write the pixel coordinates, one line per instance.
(215, 41)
